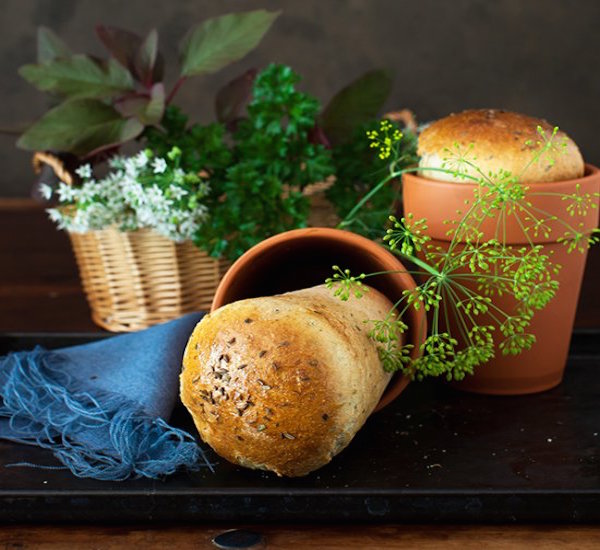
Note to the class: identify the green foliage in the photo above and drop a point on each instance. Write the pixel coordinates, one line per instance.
(204, 148)
(358, 173)
(272, 161)
(130, 83)
(50, 46)
(80, 126)
(217, 42)
(346, 285)
(79, 76)
(459, 285)
(257, 173)
(140, 56)
(355, 105)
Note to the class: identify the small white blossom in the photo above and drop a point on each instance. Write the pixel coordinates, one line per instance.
(141, 159)
(45, 191)
(54, 214)
(66, 193)
(177, 192)
(131, 168)
(128, 199)
(117, 162)
(84, 171)
(159, 165)
(178, 175)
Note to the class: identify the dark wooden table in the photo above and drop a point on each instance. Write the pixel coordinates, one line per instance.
(40, 292)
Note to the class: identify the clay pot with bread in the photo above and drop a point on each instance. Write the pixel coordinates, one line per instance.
(505, 140)
(282, 374)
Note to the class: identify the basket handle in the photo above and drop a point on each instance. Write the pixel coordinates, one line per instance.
(39, 159)
(405, 116)
(318, 187)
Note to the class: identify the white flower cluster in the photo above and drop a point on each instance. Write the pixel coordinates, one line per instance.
(142, 191)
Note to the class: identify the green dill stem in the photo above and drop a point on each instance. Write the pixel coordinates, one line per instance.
(547, 146)
(523, 229)
(470, 276)
(561, 195)
(469, 294)
(349, 217)
(430, 269)
(392, 175)
(423, 265)
(395, 309)
(445, 296)
(478, 170)
(550, 218)
(436, 310)
(407, 271)
(462, 325)
(457, 234)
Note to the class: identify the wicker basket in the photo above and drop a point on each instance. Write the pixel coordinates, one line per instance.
(133, 280)
(322, 212)
(136, 279)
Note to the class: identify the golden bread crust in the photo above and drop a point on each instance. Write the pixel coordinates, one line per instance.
(283, 383)
(500, 140)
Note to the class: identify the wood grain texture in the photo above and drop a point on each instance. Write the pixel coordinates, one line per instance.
(39, 282)
(342, 537)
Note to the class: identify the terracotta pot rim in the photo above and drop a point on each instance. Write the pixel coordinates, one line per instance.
(590, 172)
(341, 234)
(417, 333)
(542, 366)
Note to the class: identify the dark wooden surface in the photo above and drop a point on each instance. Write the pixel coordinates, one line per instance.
(40, 291)
(401, 537)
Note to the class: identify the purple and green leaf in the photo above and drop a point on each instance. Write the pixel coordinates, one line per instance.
(50, 46)
(356, 104)
(232, 99)
(216, 42)
(79, 76)
(82, 127)
(139, 55)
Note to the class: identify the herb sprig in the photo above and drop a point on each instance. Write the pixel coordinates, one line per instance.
(458, 284)
(358, 171)
(273, 159)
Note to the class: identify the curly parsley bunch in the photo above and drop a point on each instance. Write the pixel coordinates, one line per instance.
(273, 160)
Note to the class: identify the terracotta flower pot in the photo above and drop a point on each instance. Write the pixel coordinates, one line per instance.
(303, 258)
(542, 367)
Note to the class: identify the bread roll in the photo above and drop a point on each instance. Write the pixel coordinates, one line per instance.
(499, 142)
(283, 383)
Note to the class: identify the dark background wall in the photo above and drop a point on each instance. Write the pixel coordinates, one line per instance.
(540, 57)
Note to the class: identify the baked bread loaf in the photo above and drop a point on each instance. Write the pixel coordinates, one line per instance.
(283, 383)
(500, 140)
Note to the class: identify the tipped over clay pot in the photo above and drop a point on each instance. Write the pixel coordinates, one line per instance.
(303, 258)
(282, 374)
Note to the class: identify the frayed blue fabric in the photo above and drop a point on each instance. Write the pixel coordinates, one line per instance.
(103, 408)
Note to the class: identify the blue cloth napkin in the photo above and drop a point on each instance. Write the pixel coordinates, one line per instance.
(102, 408)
